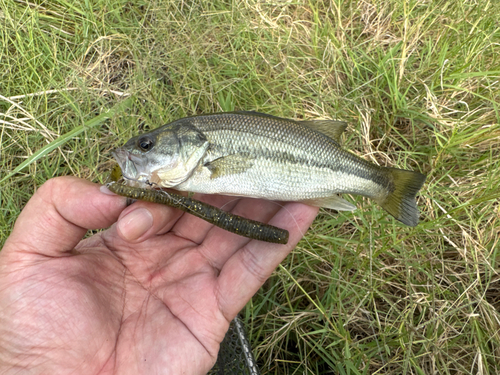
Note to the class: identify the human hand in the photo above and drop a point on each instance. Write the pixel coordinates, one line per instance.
(153, 294)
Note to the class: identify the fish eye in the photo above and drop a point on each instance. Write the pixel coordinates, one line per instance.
(145, 143)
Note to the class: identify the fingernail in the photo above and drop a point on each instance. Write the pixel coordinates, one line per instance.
(104, 189)
(135, 224)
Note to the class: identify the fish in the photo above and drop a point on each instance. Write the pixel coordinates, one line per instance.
(251, 154)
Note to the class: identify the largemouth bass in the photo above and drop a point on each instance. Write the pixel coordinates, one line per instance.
(250, 154)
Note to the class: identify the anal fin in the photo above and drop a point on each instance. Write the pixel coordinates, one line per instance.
(334, 202)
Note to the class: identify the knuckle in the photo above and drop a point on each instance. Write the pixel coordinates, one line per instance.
(253, 266)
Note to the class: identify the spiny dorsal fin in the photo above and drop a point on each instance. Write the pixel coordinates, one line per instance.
(330, 128)
(260, 114)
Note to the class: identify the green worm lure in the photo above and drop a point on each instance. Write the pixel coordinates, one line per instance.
(225, 220)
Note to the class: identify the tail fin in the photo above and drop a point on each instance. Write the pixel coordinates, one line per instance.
(400, 202)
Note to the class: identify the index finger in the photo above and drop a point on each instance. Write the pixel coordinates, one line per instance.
(59, 214)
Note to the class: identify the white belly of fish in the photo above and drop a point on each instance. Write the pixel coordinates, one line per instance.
(284, 182)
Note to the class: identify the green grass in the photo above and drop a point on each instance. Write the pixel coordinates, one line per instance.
(418, 82)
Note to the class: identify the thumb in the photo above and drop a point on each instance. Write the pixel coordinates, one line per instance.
(59, 214)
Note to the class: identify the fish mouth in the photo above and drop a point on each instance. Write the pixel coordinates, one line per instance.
(132, 166)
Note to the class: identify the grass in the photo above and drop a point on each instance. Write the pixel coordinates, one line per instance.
(418, 82)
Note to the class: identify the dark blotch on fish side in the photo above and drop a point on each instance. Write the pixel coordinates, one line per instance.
(225, 220)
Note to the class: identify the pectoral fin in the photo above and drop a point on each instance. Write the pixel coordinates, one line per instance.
(229, 165)
(334, 202)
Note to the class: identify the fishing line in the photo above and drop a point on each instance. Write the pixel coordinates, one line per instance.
(231, 201)
(282, 206)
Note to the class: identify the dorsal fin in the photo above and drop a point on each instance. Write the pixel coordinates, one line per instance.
(255, 113)
(330, 128)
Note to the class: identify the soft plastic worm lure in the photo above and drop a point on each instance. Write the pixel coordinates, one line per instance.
(225, 220)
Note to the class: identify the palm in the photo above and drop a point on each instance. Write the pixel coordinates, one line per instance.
(161, 304)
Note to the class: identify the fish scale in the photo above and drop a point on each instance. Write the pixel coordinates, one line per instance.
(256, 155)
(299, 152)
